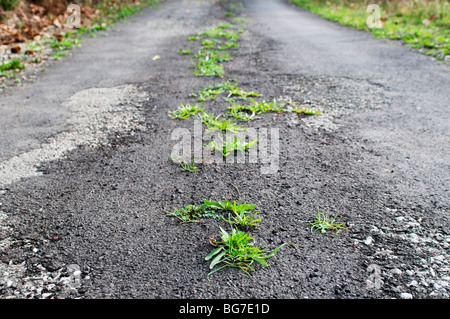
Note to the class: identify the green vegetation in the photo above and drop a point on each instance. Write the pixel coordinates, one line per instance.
(66, 43)
(230, 145)
(226, 205)
(185, 165)
(237, 249)
(110, 12)
(10, 69)
(421, 24)
(11, 65)
(212, 44)
(62, 45)
(58, 55)
(241, 94)
(258, 107)
(242, 116)
(212, 91)
(306, 111)
(207, 66)
(222, 125)
(192, 214)
(324, 223)
(184, 52)
(8, 4)
(184, 111)
(243, 218)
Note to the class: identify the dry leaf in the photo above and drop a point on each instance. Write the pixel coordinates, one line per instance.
(59, 37)
(57, 23)
(16, 49)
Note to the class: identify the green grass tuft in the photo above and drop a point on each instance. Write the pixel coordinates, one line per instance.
(237, 249)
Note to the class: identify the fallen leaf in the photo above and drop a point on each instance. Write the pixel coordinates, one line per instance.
(59, 37)
(156, 57)
(434, 17)
(57, 23)
(16, 49)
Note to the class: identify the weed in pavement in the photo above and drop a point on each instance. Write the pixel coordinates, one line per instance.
(237, 249)
(325, 223)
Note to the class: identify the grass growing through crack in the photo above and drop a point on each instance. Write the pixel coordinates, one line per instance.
(212, 91)
(240, 93)
(256, 107)
(307, 111)
(185, 165)
(230, 145)
(207, 66)
(325, 223)
(184, 111)
(226, 205)
(237, 249)
(241, 216)
(213, 42)
(242, 116)
(192, 213)
(223, 125)
(222, 31)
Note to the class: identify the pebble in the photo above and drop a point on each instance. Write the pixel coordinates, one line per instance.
(413, 237)
(410, 272)
(405, 295)
(428, 275)
(368, 241)
(374, 229)
(396, 271)
(15, 285)
(439, 258)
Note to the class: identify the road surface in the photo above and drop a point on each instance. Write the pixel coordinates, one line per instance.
(86, 182)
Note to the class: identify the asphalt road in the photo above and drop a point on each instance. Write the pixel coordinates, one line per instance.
(85, 178)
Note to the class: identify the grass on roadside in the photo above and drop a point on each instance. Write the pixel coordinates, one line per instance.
(11, 68)
(109, 12)
(420, 24)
